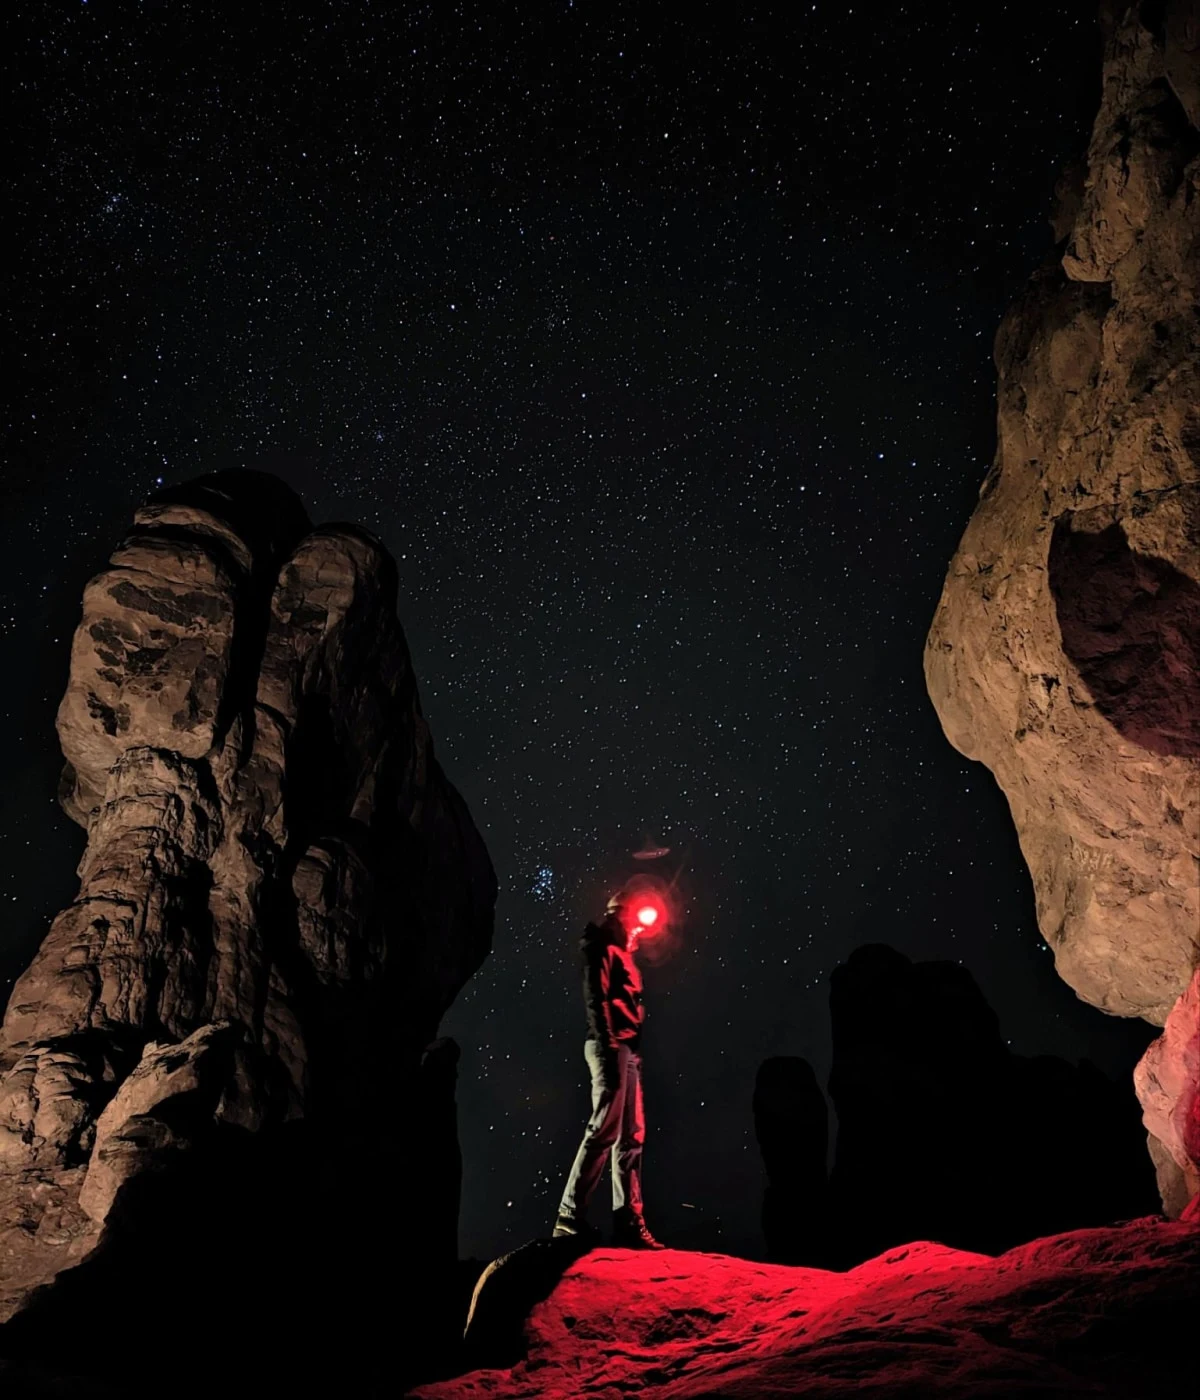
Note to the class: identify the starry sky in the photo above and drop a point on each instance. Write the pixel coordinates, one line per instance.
(655, 343)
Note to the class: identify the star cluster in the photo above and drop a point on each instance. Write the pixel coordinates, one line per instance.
(655, 343)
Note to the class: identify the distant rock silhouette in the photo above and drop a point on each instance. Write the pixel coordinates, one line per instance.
(221, 1099)
(945, 1134)
(1065, 651)
(791, 1123)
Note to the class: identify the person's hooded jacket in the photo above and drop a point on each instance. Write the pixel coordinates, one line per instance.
(612, 986)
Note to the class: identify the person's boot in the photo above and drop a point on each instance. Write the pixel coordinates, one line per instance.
(630, 1231)
(570, 1227)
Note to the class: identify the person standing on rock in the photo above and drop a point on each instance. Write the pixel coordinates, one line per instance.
(612, 990)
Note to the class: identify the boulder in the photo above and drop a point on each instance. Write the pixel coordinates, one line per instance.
(1168, 1084)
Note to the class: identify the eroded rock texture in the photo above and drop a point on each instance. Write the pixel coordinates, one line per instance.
(1065, 653)
(281, 891)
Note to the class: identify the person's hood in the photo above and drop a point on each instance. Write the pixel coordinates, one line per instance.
(609, 930)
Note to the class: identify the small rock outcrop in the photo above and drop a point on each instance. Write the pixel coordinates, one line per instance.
(280, 895)
(1065, 652)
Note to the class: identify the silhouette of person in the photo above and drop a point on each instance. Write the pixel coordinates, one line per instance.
(612, 991)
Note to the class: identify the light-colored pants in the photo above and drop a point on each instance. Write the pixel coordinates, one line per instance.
(617, 1128)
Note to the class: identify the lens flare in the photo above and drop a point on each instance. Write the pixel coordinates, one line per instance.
(643, 906)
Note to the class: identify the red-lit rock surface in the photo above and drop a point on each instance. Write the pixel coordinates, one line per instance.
(1106, 1312)
(1065, 652)
(1168, 1083)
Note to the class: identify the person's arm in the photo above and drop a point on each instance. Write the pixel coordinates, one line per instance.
(597, 978)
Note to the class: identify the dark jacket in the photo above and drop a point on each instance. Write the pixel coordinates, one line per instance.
(612, 986)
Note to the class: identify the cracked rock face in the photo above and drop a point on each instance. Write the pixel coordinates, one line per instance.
(1065, 652)
(281, 891)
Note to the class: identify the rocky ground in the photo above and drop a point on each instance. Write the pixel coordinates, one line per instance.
(1104, 1312)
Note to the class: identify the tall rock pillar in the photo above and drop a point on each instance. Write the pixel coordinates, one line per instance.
(1065, 652)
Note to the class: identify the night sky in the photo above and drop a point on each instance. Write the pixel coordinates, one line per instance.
(658, 351)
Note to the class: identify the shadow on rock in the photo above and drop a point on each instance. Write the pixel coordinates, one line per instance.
(280, 1262)
(30, 1382)
(506, 1292)
(945, 1134)
(1130, 624)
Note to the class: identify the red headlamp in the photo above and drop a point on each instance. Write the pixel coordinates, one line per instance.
(645, 914)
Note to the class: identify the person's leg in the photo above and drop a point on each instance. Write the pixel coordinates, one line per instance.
(602, 1131)
(629, 1224)
(627, 1150)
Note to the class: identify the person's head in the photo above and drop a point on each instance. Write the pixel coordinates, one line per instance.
(619, 910)
(637, 912)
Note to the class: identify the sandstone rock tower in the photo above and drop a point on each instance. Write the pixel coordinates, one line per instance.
(281, 891)
(1065, 653)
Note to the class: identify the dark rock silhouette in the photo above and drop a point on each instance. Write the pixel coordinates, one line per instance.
(218, 1069)
(791, 1123)
(944, 1134)
(506, 1292)
(440, 1169)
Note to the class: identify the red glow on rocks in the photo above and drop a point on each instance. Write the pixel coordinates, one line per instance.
(921, 1319)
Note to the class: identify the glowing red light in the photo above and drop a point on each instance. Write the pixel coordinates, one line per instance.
(647, 915)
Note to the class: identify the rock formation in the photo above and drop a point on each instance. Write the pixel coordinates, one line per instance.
(944, 1134)
(791, 1123)
(505, 1293)
(944, 1137)
(1065, 652)
(1100, 1312)
(1166, 1080)
(281, 894)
